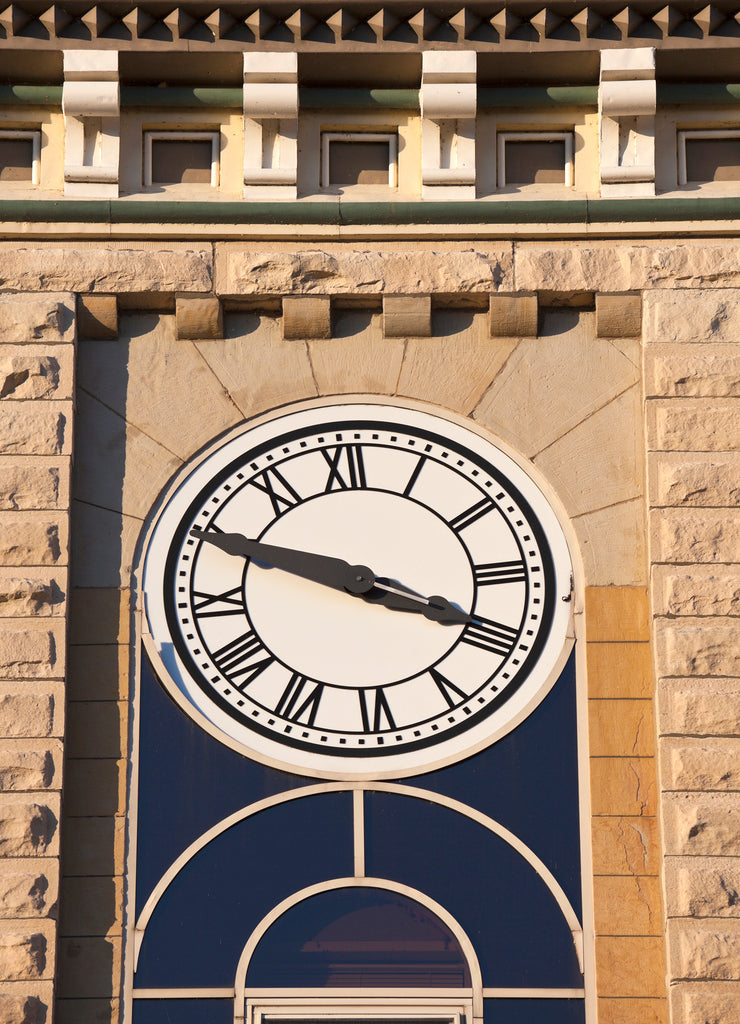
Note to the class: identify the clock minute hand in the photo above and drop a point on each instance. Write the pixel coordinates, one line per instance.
(392, 594)
(323, 569)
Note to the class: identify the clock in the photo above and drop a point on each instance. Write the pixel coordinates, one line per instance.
(357, 590)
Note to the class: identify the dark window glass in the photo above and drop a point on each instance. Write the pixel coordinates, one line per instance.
(713, 159)
(181, 161)
(16, 159)
(358, 938)
(539, 162)
(358, 163)
(533, 1011)
(183, 1011)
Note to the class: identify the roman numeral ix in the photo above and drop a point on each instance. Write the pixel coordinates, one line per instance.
(231, 598)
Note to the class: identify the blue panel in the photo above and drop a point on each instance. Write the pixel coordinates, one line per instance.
(183, 1011)
(200, 926)
(533, 1011)
(512, 919)
(528, 781)
(187, 782)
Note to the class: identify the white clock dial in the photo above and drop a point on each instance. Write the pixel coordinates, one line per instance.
(455, 628)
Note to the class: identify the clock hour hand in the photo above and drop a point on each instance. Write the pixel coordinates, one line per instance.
(330, 572)
(392, 594)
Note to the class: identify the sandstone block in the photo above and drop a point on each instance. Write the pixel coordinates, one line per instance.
(175, 268)
(98, 672)
(703, 887)
(337, 270)
(695, 535)
(691, 313)
(703, 707)
(31, 539)
(94, 788)
(696, 824)
(100, 616)
(24, 954)
(22, 1009)
(618, 316)
(93, 846)
(306, 316)
(26, 714)
(695, 425)
(31, 650)
(91, 906)
(620, 728)
(97, 728)
(407, 316)
(24, 376)
(696, 590)
(703, 647)
(98, 317)
(623, 786)
(199, 317)
(358, 359)
(627, 906)
(625, 846)
(27, 765)
(27, 893)
(28, 828)
(25, 317)
(633, 1011)
(621, 562)
(35, 430)
(34, 484)
(90, 967)
(617, 614)
(692, 371)
(30, 595)
(630, 966)
(694, 479)
(718, 1003)
(702, 952)
(513, 316)
(619, 670)
(700, 764)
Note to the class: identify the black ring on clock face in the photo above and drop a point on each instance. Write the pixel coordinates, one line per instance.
(230, 646)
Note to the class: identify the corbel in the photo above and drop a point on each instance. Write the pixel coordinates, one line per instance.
(270, 125)
(199, 318)
(448, 109)
(91, 106)
(627, 103)
(618, 316)
(97, 317)
(513, 315)
(407, 316)
(306, 317)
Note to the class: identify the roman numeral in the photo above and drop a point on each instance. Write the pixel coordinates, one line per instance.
(473, 514)
(499, 572)
(414, 476)
(281, 494)
(244, 656)
(376, 714)
(232, 598)
(298, 700)
(346, 467)
(494, 637)
(447, 688)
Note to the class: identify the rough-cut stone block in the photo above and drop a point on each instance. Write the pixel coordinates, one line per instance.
(91, 906)
(619, 670)
(25, 953)
(700, 951)
(28, 765)
(26, 714)
(620, 728)
(692, 314)
(22, 1009)
(696, 479)
(243, 269)
(624, 905)
(97, 729)
(717, 1003)
(31, 650)
(26, 540)
(98, 672)
(98, 317)
(621, 562)
(99, 616)
(35, 318)
(618, 316)
(32, 484)
(103, 269)
(25, 376)
(702, 647)
(702, 707)
(701, 535)
(599, 463)
(623, 785)
(407, 316)
(29, 892)
(701, 824)
(696, 590)
(700, 764)
(692, 371)
(93, 846)
(513, 316)
(90, 967)
(38, 429)
(94, 787)
(29, 595)
(306, 316)
(694, 425)
(625, 846)
(633, 1011)
(199, 317)
(28, 828)
(630, 966)
(359, 359)
(617, 614)
(703, 887)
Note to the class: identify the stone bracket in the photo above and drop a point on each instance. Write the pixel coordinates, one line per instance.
(306, 317)
(448, 108)
(513, 315)
(97, 317)
(619, 315)
(270, 125)
(627, 104)
(199, 318)
(407, 316)
(91, 105)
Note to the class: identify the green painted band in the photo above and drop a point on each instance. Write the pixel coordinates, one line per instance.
(698, 93)
(35, 95)
(539, 96)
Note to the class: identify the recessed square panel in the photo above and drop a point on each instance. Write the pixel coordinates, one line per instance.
(181, 158)
(535, 158)
(355, 158)
(709, 156)
(19, 156)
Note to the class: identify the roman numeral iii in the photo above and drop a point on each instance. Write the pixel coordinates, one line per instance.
(491, 573)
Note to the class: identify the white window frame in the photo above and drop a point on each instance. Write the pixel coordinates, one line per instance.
(390, 137)
(273, 1007)
(35, 136)
(534, 136)
(174, 136)
(698, 134)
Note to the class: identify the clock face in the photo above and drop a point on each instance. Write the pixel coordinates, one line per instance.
(460, 617)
